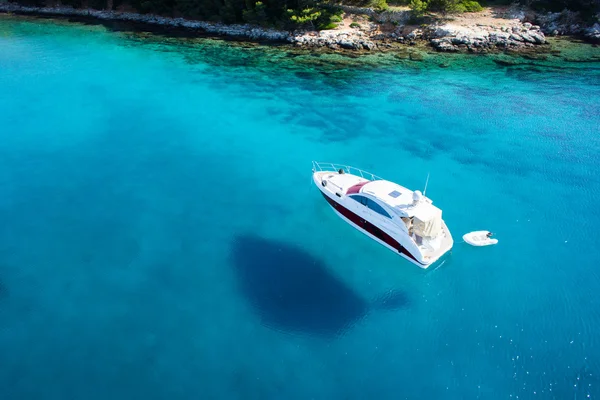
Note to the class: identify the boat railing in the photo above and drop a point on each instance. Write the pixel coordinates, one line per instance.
(324, 166)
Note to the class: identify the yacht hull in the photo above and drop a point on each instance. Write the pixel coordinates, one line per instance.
(372, 231)
(381, 230)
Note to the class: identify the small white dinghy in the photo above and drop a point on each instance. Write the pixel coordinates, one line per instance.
(480, 238)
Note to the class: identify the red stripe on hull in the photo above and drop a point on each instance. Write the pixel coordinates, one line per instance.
(369, 227)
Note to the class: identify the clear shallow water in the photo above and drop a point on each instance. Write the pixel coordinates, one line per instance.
(160, 237)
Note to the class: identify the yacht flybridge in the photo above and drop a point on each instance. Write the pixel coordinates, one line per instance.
(403, 220)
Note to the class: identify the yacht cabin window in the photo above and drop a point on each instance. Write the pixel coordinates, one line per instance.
(371, 204)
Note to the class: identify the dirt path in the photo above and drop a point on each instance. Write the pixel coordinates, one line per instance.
(490, 16)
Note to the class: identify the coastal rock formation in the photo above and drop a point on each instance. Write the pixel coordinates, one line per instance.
(560, 23)
(592, 33)
(569, 23)
(334, 39)
(477, 38)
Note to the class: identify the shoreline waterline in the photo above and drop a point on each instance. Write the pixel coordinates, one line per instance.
(518, 38)
(559, 53)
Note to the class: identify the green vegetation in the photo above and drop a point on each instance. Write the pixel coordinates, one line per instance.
(311, 14)
(468, 6)
(282, 14)
(380, 5)
(420, 7)
(255, 14)
(304, 17)
(354, 25)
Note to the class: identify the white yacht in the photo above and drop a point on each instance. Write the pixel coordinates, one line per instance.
(402, 220)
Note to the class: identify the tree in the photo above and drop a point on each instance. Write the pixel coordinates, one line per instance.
(305, 16)
(256, 14)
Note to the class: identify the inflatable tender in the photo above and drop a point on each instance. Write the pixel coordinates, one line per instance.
(480, 238)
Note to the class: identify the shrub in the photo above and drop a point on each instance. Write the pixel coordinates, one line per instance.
(380, 5)
(355, 25)
(256, 15)
(418, 8)
(326, 26)
(329, 18)
(442, 5)
(450, 6)
(471, 6)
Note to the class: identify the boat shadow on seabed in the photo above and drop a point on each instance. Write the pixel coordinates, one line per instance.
(293, 291)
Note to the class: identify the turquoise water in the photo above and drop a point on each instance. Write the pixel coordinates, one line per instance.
(160, 237)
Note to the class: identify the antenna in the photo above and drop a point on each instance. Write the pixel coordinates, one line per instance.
(426, 182)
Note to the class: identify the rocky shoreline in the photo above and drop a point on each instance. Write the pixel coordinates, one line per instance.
(238, 31)
(517, 35)
(567, 23)
(333, 39)
(478, 38)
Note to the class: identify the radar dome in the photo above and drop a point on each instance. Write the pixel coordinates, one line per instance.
(417, 196)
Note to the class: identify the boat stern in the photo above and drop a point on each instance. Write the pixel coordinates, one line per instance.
(433, 255)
